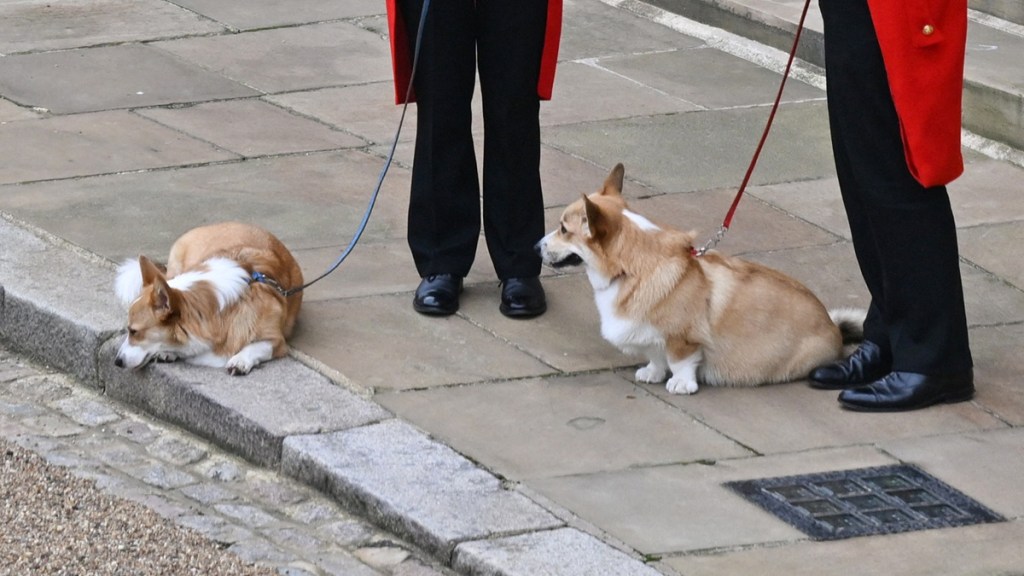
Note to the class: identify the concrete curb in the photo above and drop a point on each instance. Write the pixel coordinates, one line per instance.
(57, 305)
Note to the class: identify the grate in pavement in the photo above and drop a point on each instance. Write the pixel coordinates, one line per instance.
(868, 501)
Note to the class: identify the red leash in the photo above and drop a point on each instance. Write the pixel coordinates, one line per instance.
(714, 240)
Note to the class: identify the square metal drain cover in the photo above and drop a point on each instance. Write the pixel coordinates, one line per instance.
(849, 503)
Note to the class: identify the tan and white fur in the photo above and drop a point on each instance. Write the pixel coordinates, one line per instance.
(204, 308)
(710, 319)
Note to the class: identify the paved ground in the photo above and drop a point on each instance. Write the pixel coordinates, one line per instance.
(497, 446)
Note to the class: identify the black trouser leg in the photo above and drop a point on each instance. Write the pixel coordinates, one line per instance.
(444, 207)
(510, 46)
(904, 234)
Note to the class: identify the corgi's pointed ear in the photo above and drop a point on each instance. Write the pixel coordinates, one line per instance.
(150, 271)
(598, 222)
(613, 183)
(162, 297)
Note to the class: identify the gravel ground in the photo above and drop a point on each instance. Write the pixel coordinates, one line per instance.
(55, 523)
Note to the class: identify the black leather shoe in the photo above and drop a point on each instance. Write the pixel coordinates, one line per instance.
(438, 295)
(522, 298)
(900, 391)
(867, 364)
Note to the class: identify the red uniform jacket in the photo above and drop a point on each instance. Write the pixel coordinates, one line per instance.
(402, 42)
(923, 44)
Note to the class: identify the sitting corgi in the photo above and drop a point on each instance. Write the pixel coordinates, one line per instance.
(219, 303)
(711, 319)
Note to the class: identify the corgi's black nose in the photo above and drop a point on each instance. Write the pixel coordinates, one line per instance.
(119, 362)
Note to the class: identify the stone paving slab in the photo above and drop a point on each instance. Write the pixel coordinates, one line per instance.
(10, 111)
(41, 25)
(757, 226)
(983, 549)
(700, 151)
(820, 425)
(586, 92)
(595, 29)
(250, 14)
(99, 143)
(562, 552)
(251, 128)
(386, 345)
(644, 507)
(123, 76)
(979, 464)
(567, 337)
(999, 365)
(565, 177)
(679, 72)
(375, 267)
(388, 469)
(307, 200)
(287, 59)
(540, 428)
(366, 110)
(979, 196)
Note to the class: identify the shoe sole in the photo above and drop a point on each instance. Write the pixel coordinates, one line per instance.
(944, 400)
(521, 314)
(826, 386)
(433, 311)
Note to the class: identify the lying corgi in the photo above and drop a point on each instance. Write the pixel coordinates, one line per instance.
(218, 303)
(711, 319)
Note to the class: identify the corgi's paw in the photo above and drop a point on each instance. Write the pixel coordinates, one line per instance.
(651, 374)
(677, 385)
(249, 357)
(240, 366)
(164, 357)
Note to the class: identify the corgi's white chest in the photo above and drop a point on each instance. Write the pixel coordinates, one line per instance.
(626, 334)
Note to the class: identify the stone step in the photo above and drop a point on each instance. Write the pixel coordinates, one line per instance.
(1011, 10)
(993, 74)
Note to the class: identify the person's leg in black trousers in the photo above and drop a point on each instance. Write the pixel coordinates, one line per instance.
(509, 52)
(504, 40)
(444, 208)
(904, 234)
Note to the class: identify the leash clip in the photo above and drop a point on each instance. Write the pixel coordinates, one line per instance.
(712, 242)
(261, 278)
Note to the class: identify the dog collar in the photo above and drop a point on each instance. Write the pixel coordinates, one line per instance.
(261, 278)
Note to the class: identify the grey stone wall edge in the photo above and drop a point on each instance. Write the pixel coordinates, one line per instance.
(994, 114)
(302, 467)
(383, 485)
(165, 395)
(748, 24)
(56, 341)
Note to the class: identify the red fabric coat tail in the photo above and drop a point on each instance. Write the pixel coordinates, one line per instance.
(403, 40)
(923, 44)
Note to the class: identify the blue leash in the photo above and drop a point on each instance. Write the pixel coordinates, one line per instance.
(258, 277)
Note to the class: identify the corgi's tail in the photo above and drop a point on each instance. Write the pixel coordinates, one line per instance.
(128, 284)
(850, 322)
